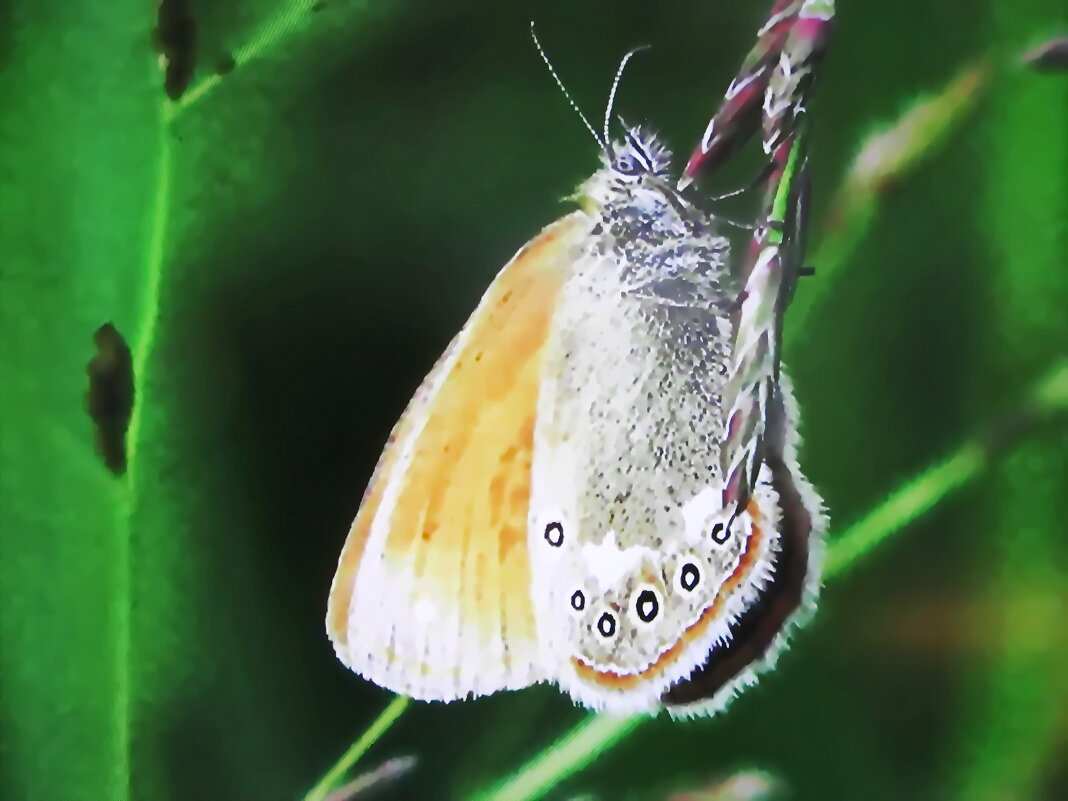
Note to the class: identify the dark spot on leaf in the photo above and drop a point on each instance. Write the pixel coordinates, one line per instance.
(176, 39)
(109, 400)
(225, 65)
(1052, 56)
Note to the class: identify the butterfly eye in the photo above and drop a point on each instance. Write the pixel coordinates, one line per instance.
(554, 534)
(689, 576)
(627, 164)
(606, 626)
(578, 601)
(647, 606)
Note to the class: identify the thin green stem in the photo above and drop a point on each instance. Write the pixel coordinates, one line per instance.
(568, 755)
(903, 506)
(122, 597)
(596, 734)
(1048, 398)
(120, 616)
(785, 188)
(349, 759)
(288, 20)
(372, 780)
(159, 215)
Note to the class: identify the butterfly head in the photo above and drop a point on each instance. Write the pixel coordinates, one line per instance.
(635, 171)
(641, 154)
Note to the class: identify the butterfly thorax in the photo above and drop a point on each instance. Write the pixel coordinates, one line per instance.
(660, 245)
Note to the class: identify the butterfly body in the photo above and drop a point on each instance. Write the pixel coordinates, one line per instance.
(556, 511)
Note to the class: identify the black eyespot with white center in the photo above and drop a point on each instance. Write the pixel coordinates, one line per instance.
(606, 626)
(554, 534)
(578, 601)
(647, 606)
(689, 576)
(720, 533)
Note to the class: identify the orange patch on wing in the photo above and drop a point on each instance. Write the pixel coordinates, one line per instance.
(457, 518)
(746, 563)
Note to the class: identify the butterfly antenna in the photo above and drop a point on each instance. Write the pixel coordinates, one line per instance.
(574, 105)
(615, 86)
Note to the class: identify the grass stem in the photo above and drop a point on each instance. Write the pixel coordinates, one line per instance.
(363, 744)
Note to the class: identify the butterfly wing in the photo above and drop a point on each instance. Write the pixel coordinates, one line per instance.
(788, 599)
(432, 592)
(634, 588)
(643, 575)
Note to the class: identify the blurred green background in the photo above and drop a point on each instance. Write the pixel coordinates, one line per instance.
(289, 251)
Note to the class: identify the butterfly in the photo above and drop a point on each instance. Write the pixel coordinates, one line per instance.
(553, 505)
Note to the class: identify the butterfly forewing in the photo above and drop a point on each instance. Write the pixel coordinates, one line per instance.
(432, 593)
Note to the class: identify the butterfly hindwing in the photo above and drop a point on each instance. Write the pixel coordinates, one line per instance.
(642, 573)
(432, 592)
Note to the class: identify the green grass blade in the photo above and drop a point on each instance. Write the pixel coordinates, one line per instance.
(913, 499)
(568, 755)
(152, 283)
(363, 744)
(903, 506)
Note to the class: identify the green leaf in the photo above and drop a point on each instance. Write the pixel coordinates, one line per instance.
(81, 149)
(108, 193)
